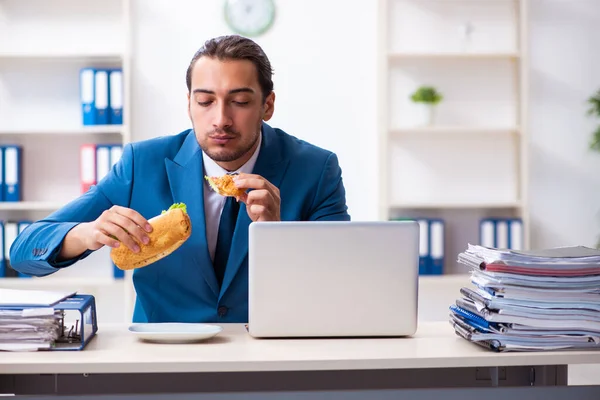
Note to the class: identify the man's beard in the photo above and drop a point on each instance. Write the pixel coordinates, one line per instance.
(229, 155)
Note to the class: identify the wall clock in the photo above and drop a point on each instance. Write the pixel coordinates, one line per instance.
(249, 17)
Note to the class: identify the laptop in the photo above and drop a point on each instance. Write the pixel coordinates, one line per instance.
(333, 279)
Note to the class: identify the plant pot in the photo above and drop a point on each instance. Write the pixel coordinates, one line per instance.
(425, 114)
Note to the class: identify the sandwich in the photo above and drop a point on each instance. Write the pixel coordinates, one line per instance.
(170, 230)
(225, 186)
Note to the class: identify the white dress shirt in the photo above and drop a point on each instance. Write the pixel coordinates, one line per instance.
(214, 202)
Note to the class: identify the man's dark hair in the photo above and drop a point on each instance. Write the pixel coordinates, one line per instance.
(234, 47)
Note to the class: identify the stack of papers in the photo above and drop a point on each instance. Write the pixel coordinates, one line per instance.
(28, 320)
(530, 300)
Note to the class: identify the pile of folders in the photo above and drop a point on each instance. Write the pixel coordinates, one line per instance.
(530, 300)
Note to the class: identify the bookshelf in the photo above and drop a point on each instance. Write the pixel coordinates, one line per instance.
(454, 130)
(451, 55)
(471, 162)
(83, 130)
(31, 205)
(43, 46)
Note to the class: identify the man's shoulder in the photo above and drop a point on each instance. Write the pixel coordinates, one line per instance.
(294, 147)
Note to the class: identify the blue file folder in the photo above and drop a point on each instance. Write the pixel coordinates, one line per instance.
(424, 246)
(436, 246)
(101, 97)
(10, 233)
(78, 323)
(12, 173)
(86, 89)
(515, 234)
(115, 95)
(2, 252)
(504, 233)
(2, 173)
(94, 96)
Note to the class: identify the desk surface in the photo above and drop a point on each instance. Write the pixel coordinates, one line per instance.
(435, 345)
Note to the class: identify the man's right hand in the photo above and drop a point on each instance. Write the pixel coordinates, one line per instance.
(117, 226)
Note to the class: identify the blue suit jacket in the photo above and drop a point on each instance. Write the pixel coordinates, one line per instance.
(156, 173)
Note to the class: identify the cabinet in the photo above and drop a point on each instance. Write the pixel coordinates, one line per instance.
(43, 46)
(470, 162)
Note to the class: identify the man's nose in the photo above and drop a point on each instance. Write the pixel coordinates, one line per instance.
(222, 118)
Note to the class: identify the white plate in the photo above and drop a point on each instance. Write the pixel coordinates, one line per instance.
(174, 332)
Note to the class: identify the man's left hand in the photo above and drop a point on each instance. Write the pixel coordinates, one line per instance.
(263, 201)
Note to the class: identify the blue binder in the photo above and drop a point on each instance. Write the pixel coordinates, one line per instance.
(2, 173)
(487, 232)
(93, 86)
(115, 95)
(502, 239)
(78, 324)
(436, 246)
(86, 90)
(10, 232)
(12, 173)
(101, 97)
(515, 234)
(103, 164)
(501, 233)
(424, 247)
(2, 252)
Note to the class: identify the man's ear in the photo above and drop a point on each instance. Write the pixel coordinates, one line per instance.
(188, 106)
(269, 106)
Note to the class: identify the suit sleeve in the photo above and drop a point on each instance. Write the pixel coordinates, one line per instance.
(35, 250)
(329, 203)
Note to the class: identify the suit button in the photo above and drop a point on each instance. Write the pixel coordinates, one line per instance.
(222, 311)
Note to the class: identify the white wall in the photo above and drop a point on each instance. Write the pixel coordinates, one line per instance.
(327, 95)
(325, 77)
(325, 81)
(565, 71)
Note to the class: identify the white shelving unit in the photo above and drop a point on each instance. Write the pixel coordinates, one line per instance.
(454, 130)
(450, 55)
(84, 130)
(472, 161)
(31, 206)
(43, 46)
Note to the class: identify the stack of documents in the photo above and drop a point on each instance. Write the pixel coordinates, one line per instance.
(530, 300)
(28, 320)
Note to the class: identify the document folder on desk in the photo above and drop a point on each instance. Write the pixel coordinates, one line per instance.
(76, 335)
(76, 324)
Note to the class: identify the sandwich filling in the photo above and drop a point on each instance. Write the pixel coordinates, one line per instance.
(224, 185)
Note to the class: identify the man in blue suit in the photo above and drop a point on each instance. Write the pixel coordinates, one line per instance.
(230, 98)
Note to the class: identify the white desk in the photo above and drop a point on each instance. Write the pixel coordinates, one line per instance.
(116, 362)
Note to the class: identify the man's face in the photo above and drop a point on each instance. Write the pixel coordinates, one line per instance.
(226, 109)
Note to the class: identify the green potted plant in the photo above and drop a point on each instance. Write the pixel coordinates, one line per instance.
(594, 110)
(427, 97)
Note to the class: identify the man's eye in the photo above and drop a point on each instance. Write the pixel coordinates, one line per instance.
(241, 103)
(204, 103)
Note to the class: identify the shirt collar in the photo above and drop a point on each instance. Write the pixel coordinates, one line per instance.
(211, 168)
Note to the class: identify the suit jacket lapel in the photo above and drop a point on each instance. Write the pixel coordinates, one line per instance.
(185, 173)
(271, 166)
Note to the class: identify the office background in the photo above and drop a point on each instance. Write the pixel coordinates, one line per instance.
(329, 58)
(325, 56)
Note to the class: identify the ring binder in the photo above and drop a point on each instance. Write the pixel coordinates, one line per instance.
(75, 336)
(78, 323)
